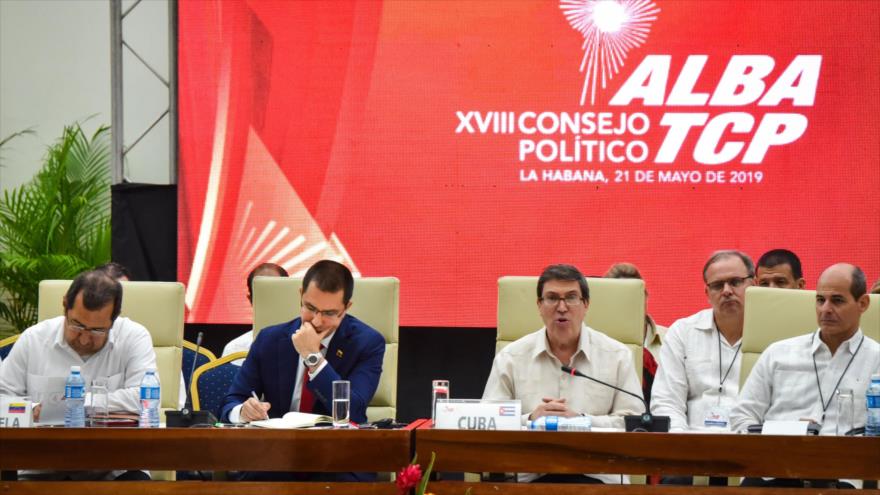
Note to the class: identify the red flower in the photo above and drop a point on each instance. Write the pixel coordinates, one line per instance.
(408, 478)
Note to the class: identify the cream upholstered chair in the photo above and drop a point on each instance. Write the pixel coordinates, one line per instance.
(617, 309)
(375, 302)
(156, 305)
(776, 314)
(772, 315)
(871, 318)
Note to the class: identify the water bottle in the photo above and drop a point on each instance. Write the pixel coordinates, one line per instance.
(75, 400)
(872, 398)
(555, 423)
(150, 395)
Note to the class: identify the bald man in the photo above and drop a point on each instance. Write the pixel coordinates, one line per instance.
(797, 378)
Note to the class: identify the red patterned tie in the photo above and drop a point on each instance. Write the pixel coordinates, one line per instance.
(306, 398)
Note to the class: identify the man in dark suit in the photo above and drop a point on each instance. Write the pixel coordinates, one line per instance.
(292, 366)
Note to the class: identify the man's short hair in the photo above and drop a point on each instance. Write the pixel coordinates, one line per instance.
(114, 270)
(563, 272)
(778, 257)
(859, 286)
(330, 276)
(729, 253)
(261, 267)
(98, 290)
(623, 270)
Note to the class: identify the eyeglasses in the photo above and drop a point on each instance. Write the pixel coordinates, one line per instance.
(79, 328)
(734, 283)
(331, 314)
(552, 300)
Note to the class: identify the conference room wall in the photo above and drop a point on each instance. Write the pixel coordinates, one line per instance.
(55, 70)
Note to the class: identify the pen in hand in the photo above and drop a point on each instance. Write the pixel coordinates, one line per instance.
(254, 395)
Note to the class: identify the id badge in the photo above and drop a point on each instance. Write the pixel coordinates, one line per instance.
(717, 416)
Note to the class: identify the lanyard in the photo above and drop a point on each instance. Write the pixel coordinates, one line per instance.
(721, 379)
(819, 383)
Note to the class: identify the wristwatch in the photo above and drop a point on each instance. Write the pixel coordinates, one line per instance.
(313, 359)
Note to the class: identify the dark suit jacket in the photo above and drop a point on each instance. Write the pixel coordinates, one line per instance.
(355, 353)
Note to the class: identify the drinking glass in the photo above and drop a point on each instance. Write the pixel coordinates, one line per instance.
(99, 405)
(844, 410)
(439, 390)
(341, 403)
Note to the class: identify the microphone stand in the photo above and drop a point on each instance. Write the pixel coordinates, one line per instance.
(186, 417)
(643, 422)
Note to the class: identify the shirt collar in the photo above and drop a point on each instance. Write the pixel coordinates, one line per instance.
(542, 344)
(326, 340)
(705, 320)
(851, 344)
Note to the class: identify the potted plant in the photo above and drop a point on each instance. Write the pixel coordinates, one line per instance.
(54, 226)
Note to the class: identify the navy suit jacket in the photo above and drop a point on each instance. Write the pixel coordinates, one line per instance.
(355, 353)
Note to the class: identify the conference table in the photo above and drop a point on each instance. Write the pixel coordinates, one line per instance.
(227, 449)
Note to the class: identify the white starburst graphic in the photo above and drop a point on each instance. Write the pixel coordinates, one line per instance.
(611, 28)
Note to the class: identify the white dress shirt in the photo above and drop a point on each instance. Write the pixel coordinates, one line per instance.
(40, 362)
(688, 377)
(783, 385)
(528, 371)
(242, 343)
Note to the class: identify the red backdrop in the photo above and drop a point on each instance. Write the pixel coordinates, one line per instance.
(362, 131)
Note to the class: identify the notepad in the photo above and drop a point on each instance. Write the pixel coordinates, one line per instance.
(293, 419)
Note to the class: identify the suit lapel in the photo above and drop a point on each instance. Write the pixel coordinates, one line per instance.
(338, 352)
(287, 363)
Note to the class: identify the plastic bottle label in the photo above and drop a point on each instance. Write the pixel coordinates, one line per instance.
(73, 392)
(873, 401)
(150, 393)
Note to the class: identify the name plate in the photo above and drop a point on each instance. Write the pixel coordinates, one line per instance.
(785, 427)
(475, 414)
(16, 412)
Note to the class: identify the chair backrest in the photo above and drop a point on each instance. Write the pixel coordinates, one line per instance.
(617, 309)
(776, 314)
(871, 318)
(6, 345)
(156, 305)
(205, 356)
(375, 302)
(211, 382)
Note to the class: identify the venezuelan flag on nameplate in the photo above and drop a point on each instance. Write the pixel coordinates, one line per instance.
(17, 407)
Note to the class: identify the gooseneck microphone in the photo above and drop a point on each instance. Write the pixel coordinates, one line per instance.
(644, 422)
(186, 417)
(187, 406)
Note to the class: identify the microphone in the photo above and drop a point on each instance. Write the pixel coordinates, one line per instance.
(192, 371)
(644, 422)
(186, 417)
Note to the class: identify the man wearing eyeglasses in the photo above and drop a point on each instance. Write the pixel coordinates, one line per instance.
(698, 378)
(529, 369)
(89, 335)
(292, 366)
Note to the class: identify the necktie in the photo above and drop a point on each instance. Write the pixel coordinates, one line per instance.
(306, 398)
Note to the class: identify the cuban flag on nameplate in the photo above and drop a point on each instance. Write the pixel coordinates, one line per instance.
(506, 411)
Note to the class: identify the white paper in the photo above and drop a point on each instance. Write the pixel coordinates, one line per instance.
(293, 419)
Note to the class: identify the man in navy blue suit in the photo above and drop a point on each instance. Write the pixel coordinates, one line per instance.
(292, 366)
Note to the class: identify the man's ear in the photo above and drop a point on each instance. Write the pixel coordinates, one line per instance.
(864, 302)
(801, 283)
